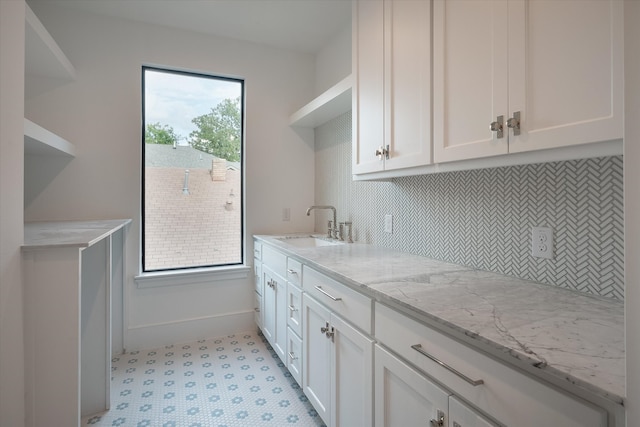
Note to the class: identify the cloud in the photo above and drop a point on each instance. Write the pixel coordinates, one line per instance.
(174, 99)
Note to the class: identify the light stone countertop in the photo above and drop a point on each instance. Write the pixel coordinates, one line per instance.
(81, 234)
(571, 339)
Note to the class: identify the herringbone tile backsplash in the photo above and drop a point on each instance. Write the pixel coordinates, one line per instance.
(483, 218)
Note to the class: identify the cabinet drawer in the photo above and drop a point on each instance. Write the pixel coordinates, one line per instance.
(507, 395)
(349, 304)
(294, 308)
(257, 250)
(294, 272)
(276, 261)
(294, 356)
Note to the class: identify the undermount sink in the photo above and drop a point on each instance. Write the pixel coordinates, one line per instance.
(308, 241)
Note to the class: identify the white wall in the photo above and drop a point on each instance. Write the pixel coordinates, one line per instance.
(333, 62)
(12, 409)
(632, 207)
(100, 114)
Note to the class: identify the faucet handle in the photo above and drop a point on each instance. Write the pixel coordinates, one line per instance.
(330, 229)
(348, 225)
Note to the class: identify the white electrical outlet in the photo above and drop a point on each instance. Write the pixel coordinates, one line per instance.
(388, 224)
(286, 214)
(542, 242)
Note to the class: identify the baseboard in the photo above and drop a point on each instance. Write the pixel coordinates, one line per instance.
(188, 330)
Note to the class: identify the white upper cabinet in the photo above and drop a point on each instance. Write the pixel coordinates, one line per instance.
(392, 85)
(558, 64)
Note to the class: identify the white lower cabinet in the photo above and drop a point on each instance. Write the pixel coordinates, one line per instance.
(405, 397)
(275, 312)
(505, 394)
(338, 367)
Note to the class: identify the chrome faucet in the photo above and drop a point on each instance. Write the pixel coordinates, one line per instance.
(332, 230)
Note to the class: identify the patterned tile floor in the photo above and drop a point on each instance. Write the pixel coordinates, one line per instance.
(235, 381)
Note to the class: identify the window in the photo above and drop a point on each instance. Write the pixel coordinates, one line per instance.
(192, 180)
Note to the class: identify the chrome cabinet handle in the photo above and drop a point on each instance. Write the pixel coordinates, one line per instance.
(418, 348)
(514, 123)
(498, 126)
(291, 356)
(291, 271)
(324, 329)
(439, 421)
(292, 308)
(382, 152)
(327, 294)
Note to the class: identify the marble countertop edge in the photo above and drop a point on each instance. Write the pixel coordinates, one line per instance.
(68, 234)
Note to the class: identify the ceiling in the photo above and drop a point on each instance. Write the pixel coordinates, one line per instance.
(300, 25)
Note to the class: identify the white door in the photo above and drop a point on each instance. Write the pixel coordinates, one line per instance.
(470, 78)
(368, 85)
(407, 83)
(403, 396)
(460, 415)
(316, 356)
(352, 385)
(566, 80)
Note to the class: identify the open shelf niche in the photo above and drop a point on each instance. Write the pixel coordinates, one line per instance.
(330, 104)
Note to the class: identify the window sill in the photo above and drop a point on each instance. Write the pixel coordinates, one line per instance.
(191, 277)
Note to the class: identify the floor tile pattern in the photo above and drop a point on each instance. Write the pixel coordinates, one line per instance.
(235, 381)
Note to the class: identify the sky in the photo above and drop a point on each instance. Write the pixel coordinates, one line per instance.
(175, 99)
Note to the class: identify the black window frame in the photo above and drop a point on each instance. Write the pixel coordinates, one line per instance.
(241, 262)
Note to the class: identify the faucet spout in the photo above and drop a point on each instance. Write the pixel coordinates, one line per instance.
(333, 226)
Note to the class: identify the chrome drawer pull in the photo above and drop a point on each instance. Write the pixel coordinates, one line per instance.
(418, 348)
(293, 308)
(327, 294)
(292, 356)
(291, 271)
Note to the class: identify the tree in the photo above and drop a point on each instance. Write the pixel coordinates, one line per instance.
(160, 134)
(218, 132)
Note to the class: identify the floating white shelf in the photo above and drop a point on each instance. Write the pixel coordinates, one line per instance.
(40, 142)
(45, 65)
(43, 56)
(330, 104)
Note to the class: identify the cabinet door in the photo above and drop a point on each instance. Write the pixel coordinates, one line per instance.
(565, 72)
(461, 415)
(281, 312)
(404, 396)
(368, 85)
(470, 78)
(316, 356)
(352, 372)
(274, 303)
(269, 305)
(407, 83)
